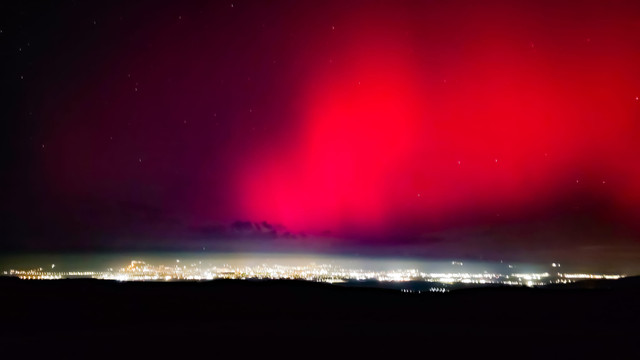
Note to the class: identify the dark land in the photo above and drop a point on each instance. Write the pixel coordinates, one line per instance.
(79, 316)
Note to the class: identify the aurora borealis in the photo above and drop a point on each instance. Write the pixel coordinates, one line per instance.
(376, 122)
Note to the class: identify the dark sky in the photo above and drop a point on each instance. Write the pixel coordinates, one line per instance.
(443, 127)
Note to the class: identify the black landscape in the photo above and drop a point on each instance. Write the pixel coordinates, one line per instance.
(78, 316)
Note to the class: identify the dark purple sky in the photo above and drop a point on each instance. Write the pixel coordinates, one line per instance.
(441, 128)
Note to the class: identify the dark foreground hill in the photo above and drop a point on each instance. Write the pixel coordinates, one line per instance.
(84, 315)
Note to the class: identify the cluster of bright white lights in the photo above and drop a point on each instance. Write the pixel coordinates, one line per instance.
(141, 271)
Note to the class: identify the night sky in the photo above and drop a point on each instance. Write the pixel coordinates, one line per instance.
(476, 129)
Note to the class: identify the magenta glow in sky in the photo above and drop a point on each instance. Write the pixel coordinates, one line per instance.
(371, 120)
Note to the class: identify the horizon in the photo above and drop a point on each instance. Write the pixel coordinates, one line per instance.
(101, 261)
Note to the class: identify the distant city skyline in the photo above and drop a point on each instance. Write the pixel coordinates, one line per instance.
(340, 270)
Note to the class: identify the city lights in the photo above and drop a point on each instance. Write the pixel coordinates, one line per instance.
(139, 270)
